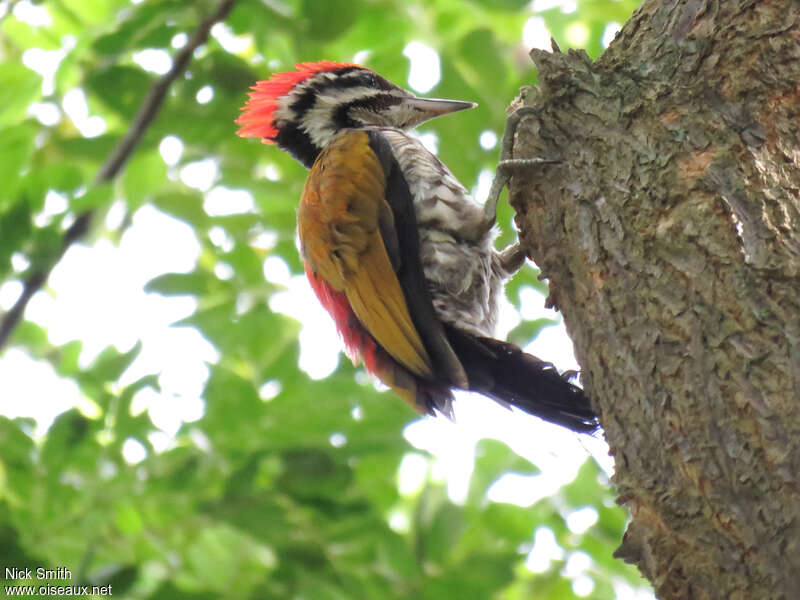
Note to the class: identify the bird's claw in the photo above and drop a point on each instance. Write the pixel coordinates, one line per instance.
(513, 257)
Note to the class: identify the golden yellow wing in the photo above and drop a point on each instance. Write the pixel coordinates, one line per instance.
(338, 219)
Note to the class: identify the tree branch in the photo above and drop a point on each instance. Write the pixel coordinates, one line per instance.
(116, 161)
(669, 237)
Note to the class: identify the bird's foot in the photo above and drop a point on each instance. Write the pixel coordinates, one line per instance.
(507, 165)
(512, 258)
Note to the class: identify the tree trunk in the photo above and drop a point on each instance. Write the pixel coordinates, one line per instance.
(670, 234)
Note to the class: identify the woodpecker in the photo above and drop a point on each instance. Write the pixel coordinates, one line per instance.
(395, 248)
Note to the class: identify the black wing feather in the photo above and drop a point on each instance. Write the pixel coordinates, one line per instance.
(401, 232)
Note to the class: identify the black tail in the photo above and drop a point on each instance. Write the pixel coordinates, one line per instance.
(503, 372)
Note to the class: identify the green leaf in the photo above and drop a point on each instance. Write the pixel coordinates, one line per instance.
(144, 27)
(492, 459)
(228, 73)
(16, 150)
(121, 88)
(214, 323)
(321, 590)
(125, 424)
(526, 277)
(514, 5)
(233, 414)
(13, 551)
(128, 520)
(330, 19)
(16, 459)
(481, 59)
(94, 149)
(62, 177)
(583, 486)
(197, 283)
(182, 204)
(15, 229)
(247, 264)
(66, 435)
(26, 35)
(19, 86)
(228, 560)
(33, 338)
(312, 473)
(91, 11)
(120, 578)
(143, 176)
(69, 354)
(528, 330)
(99, 195)
(47, 243)
(111, 363)
(169, 591)
(445, 529)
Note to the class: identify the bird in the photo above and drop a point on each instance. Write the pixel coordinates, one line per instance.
(395, 248)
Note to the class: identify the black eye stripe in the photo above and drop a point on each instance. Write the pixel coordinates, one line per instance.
(341, 117)
(379, 101)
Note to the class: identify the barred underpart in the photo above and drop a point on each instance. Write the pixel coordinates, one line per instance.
(461, 266)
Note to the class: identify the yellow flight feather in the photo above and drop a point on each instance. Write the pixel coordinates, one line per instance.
(338, 228)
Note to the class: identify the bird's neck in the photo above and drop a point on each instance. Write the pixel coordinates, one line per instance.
(295, 140)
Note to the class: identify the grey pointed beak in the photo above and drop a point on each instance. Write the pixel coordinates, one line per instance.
(435, 107)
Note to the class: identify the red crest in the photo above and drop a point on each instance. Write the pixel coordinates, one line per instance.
(257, 118)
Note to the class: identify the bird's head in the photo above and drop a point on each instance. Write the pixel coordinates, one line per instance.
(300, 111)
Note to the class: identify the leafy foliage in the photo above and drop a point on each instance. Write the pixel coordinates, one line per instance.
(285, 493)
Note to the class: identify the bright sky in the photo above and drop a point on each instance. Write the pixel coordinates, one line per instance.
(95, 295)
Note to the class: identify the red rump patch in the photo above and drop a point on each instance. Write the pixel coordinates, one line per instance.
(257, 118)
(358, 343)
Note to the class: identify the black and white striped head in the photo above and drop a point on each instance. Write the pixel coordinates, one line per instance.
(300, 111)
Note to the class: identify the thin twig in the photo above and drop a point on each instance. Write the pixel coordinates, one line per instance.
(115, 162)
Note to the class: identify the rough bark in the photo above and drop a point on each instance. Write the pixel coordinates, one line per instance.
(670, 234)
